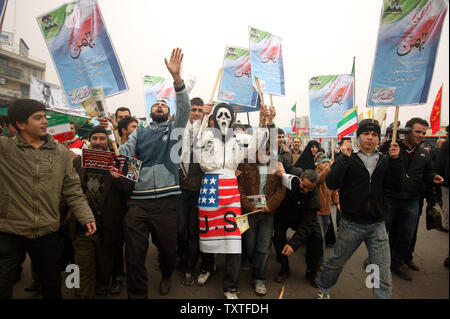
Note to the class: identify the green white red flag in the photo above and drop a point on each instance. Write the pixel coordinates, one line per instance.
(347, 125)
(59, 127)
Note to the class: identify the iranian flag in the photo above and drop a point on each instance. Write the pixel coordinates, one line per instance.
(59, 127)
(347, 125)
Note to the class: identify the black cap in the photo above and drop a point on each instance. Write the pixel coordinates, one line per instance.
(97, 129)
(368, 125)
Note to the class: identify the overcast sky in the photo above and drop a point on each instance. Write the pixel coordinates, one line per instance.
(320, 37)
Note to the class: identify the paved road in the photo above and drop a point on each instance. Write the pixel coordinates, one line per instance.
(432, 282)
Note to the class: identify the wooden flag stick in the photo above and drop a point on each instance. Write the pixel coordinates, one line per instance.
(283, 289)
(211, 99)
(394, 133)
(332, 148)
(261, 96)
(116, 150)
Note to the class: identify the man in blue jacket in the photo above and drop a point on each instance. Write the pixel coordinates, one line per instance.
(362, 177)
(153, 204)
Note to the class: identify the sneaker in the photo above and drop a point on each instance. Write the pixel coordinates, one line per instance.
(402, 272)
(323, 295)
(202, 278)
(164, 286)
(412, 265)
(188, 279)
(116, 287)
(230, 295)
(260, 289)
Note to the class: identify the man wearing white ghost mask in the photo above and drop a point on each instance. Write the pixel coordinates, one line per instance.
(221, 151)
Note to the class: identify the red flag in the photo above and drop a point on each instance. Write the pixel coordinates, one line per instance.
(435, 117)
(293, 127)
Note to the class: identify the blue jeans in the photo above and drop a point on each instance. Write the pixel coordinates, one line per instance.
(350, 237)
(258, 240)
(324, 222)
(401, 222)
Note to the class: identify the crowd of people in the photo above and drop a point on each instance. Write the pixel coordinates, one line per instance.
(188, 203)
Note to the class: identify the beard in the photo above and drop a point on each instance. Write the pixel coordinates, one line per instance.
(160, 118)
(100, 147)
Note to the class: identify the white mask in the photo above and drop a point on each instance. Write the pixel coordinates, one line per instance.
(223, 119)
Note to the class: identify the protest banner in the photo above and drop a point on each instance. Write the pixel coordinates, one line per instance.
(408, 39)
(267, 61)
(3, 4)
(59, 127)
(125, 166)
(81, 48)
(236, 86)
(329, 97)
(51, 95)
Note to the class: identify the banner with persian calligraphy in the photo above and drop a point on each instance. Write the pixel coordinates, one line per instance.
(329, 97)
(236, 85)
(267, 61)
(408, 39)
(81, 49)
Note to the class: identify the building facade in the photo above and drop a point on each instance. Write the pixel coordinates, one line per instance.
(15, 72)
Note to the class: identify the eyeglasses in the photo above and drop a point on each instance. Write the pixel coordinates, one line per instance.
(197, 110)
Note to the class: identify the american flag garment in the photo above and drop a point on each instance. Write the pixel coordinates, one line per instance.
(218, 205)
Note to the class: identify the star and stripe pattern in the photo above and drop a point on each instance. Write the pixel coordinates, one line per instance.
(219, 204)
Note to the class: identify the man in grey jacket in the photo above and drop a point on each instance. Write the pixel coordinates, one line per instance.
(153, 204)
(36, 174)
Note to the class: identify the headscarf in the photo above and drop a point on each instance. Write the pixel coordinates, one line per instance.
(306, 160)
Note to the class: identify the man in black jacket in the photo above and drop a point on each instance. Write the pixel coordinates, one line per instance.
(106, 192)
(362, 177)
(298, 211)
(403, 202)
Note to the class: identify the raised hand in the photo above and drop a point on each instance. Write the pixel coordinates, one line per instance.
(174, 65)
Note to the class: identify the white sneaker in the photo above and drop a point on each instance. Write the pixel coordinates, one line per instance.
(230, 295)
(202, 278)
(323, 295)
(260, 290)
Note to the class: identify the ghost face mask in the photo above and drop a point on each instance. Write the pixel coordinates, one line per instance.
(223, 118)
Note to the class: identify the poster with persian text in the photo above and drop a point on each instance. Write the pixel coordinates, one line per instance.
(236, 85)
(81, 49)
(267, 61)
(408, 40)
(329, 97)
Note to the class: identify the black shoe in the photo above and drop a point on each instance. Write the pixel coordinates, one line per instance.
(402, 272)
(116, 287)
(444, 229)
(412, 265)
(164, 286)
(446, 262)
(188, 279)
(33, 287)
(312, 279)
(282, 276)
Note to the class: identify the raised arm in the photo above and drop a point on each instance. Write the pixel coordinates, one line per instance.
(183, 102)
